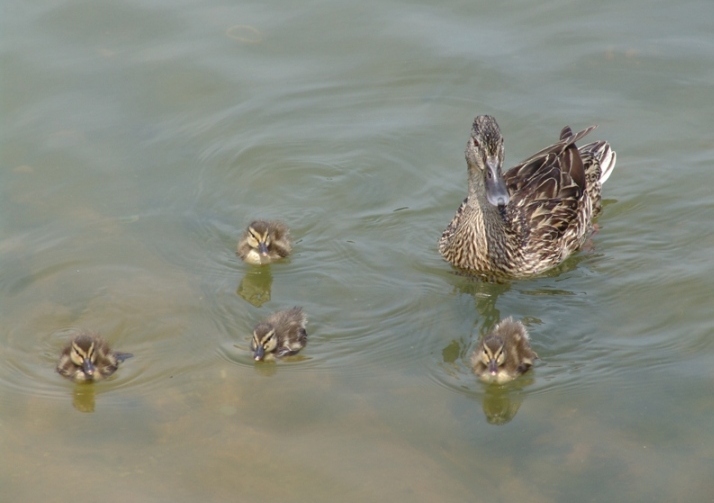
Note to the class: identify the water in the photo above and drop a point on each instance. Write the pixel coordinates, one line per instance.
(139, 139)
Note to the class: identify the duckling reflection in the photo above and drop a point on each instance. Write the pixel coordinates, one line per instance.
(504, 354)
(264, 242)
(501, 403)
(87, 358)
(281, 334)
(256, 285)
(83, 397)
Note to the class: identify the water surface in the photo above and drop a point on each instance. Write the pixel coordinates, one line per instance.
(138, 141)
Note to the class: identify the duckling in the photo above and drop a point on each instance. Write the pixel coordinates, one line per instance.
(282, 334)
(504, 354)
(88, 358)
(264, 242)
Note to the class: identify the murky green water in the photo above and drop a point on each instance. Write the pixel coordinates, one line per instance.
(138, 140)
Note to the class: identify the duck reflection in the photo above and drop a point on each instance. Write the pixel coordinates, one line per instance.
(485, 296)
(83, 397)
(501, 398)
(256, 285)
(266, 370)
(501, 360)
(500, 403)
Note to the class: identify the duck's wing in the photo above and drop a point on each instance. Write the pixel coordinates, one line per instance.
(546, 189)
(541, 171)
(122, 356)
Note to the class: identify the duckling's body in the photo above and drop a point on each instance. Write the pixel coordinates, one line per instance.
(88, 358)
(504, 354)
(282, 334)
(534, 216)
(264, 242)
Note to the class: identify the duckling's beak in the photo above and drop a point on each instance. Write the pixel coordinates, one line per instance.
(88, 367)
(496, 190)
(262, 248)
(259, 353)
(492, 367)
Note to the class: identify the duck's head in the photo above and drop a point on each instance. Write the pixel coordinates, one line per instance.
(83, 354)
(493, 354)
(484, 157)
(259, 236)
(264, 341)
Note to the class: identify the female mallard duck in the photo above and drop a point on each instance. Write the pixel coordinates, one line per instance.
(535, 215)
(88, 358)
(282, 334)
(504, 354)
(264, 242)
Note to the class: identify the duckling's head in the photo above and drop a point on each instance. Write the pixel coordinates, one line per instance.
(493, 354)
(264, 342)
(259, 236)
(484, 157)
(83, 354)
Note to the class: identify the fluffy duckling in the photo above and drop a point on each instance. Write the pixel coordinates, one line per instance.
(282, 334)
(264, 242)
(88, 358)
(504, 354)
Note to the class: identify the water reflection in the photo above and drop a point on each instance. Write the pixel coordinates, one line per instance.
(501, 402)
(83, 397)
(255, 286)
(485, 296)
(266, 369)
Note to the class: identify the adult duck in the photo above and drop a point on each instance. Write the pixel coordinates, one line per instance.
(531, 218)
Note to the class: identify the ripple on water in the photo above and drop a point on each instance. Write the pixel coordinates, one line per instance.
(31, 369)
(564, 326)
(357, 308)
(147, 310)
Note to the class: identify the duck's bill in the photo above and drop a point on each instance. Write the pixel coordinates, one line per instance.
(496, 189)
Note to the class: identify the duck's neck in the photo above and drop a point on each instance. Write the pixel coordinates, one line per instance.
(489, 223)
(491, 216)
